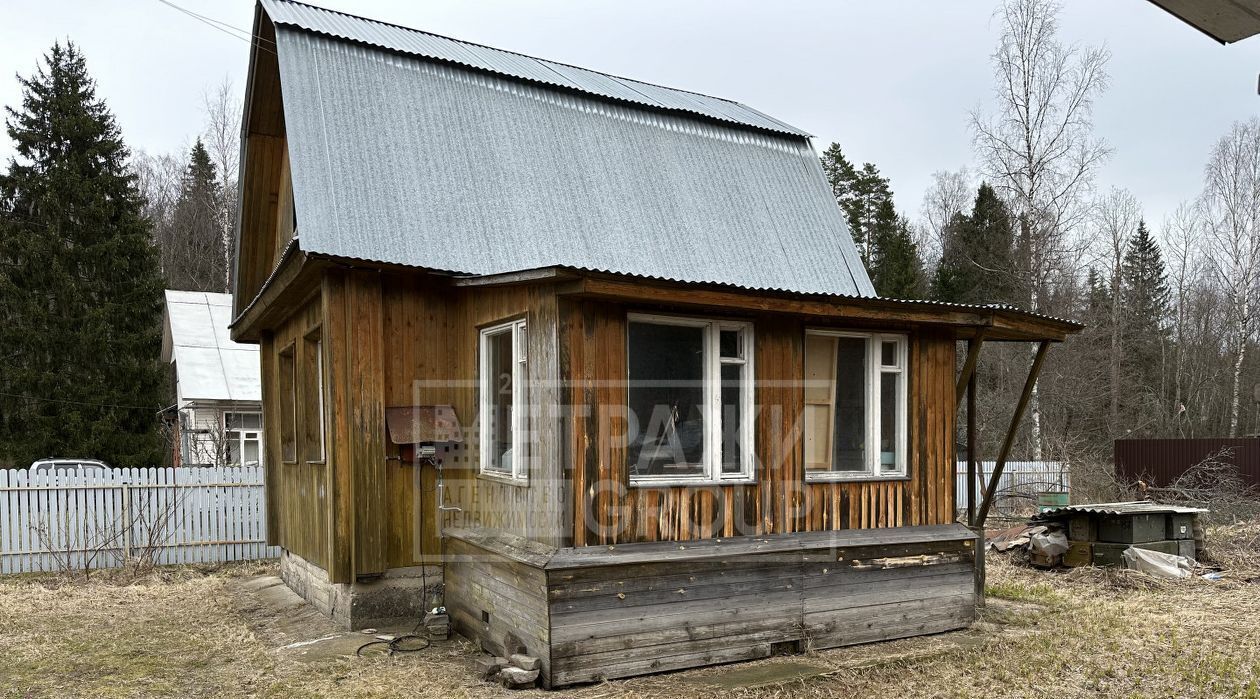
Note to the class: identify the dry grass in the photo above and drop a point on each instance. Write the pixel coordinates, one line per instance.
(1083, 633)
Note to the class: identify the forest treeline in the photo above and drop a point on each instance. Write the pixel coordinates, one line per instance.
(90, 234)
(1169, 348)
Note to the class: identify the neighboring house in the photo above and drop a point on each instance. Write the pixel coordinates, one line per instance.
(216, 419)
(691, 434)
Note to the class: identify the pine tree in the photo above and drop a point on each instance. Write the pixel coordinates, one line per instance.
(860, 194)
(977, 264)
(191, 243)
(80, 292)
(897, 270)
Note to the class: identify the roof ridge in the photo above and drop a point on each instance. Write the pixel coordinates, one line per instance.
(496, 48)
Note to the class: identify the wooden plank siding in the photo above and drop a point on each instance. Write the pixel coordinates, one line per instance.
(607, 509)
(393, 339)
(297, 492)
(498, 601)
(596, 613)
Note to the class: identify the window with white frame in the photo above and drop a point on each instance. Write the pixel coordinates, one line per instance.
(689, 399)
(502, 391)
(242, 433)
(855, 405)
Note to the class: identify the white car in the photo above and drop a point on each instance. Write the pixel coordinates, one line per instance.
(51, 465)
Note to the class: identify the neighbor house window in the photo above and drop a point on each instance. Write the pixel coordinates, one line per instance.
(288, 405)
(690, 399)
(313, 397)
(502, 388)
(242, 433)
(855, 404)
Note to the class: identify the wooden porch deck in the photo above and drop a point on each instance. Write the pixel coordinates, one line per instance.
(601, 612)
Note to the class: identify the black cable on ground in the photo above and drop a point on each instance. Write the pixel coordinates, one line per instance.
(399, 644)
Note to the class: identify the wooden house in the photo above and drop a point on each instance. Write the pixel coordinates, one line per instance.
(597, 354)
(215, 418)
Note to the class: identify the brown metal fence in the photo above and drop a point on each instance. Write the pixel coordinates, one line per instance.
(1160, 461)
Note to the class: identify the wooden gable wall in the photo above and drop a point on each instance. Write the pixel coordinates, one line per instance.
(266, 193)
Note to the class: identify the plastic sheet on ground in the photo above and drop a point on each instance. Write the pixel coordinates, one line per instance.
(1158, 564)
(1049, 543)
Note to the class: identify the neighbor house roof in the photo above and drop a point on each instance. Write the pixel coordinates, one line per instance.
(208, 365)
(413, 149)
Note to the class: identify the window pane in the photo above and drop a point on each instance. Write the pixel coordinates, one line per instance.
(732, 417)
(666, 397)
(888, 425)
(499, 386)
(730, 344)
(850, 425)
(889, 353)
(251, 452)
(288, 406)
(233, 442)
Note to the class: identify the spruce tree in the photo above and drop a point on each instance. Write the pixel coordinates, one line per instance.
(896, 270)
(1145, 299)
(80, 291)
(977, 264)
(191, 244)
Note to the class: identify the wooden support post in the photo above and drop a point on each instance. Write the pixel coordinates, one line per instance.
(982, 551)
(1007, 443)
(969, 367)
(971, 450)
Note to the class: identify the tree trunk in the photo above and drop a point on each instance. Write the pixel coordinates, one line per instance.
(1238, 363)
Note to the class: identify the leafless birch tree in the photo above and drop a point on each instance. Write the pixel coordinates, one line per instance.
(1231, 216)
(222, 138)
(1114, 218)
(1038, 144)
(1182, 235)
(950, 194)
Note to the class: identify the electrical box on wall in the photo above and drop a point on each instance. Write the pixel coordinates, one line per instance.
(418, 430)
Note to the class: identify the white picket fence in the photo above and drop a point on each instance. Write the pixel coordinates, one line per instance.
(53, 521)
(1021, 478)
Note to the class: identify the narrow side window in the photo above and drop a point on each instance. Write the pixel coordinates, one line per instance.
(288, 404)
(313, 397)
(502, 400)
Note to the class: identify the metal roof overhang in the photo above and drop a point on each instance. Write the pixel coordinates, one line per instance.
(1226, 21)
(994, 323)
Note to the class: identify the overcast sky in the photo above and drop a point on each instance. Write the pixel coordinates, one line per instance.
(892, 82)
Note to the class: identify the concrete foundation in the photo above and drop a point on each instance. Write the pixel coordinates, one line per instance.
(399, 594)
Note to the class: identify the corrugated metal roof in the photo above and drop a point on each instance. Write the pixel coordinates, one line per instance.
(1120, 508)
(208, 365)
(409, 161)
(433, 46)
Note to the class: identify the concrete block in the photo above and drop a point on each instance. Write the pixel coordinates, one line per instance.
(516, 678)
(488, 666)
(525, 662)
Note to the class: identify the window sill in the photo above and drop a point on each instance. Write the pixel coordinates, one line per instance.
(504, 479)
(691, 483)
(855, 478)
(317, 462)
